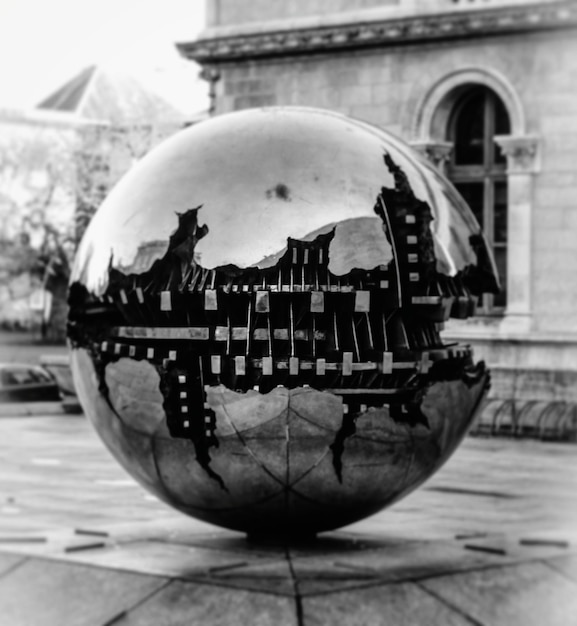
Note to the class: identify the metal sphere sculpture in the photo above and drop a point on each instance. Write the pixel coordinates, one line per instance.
(255, 314)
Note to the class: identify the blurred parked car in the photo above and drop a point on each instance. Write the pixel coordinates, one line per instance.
(59, 368)
(27, 383)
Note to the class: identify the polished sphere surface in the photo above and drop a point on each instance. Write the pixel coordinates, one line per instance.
(255, 318)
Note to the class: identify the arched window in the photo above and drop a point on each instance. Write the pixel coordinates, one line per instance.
(478, 170)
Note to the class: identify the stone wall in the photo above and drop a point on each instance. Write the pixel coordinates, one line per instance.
(225, 12)
(238, 13)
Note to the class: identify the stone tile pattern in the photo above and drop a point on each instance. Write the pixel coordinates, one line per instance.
(451, 553)
(344, 580)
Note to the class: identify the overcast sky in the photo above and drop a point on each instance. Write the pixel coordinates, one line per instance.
(43, 43)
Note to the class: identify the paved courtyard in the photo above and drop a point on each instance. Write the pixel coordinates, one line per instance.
(490, 539)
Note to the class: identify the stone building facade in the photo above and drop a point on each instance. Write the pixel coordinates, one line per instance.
(487, 89)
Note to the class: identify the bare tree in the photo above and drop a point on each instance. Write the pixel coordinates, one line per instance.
(52, 180)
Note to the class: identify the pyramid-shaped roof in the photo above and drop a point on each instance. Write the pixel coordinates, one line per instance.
(69, 96)
(111, 96)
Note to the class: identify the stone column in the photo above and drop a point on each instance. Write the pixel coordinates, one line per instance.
(437, 152)
(522, 154)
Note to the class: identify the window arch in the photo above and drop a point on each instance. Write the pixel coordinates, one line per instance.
(478, 169)
(430, 120)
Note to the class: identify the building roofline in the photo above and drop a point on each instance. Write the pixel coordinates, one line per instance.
(362, 34)
(66, 120)
(48, 118)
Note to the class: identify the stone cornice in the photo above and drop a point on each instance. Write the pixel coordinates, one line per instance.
(462, 24)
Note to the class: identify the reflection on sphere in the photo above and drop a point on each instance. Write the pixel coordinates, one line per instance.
(255, 317)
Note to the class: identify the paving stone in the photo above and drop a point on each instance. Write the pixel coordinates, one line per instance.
(318, 586)
(566, 565)
(233, 544)
(338, 543)
(187, 603)
(276, 585)
(8, 562)
(279, 577)
(48, 593)
(177, 529)
(236, 542)
(263, 568)
(412, 540)
(402, 604)
(528, 594)
(404, 561)
(513, 549)
(160, 558)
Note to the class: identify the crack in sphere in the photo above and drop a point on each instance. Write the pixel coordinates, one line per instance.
(267, 355)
